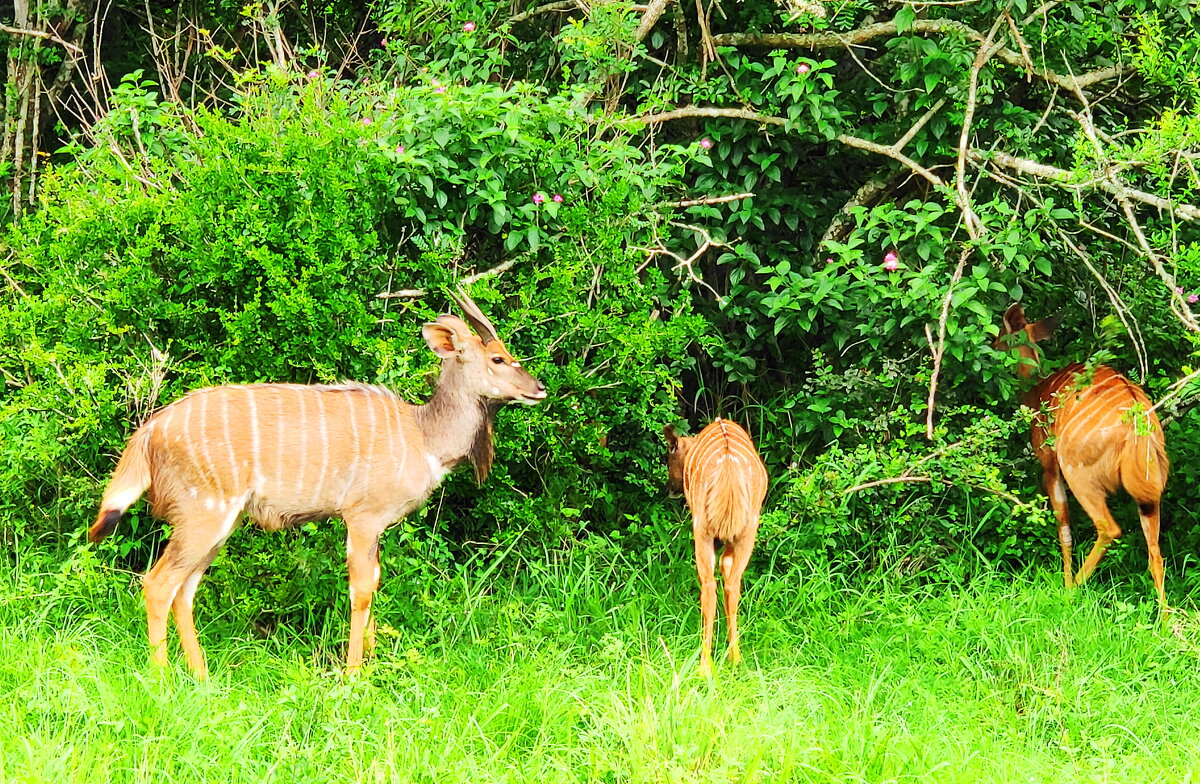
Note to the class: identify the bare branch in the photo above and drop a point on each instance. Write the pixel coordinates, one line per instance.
(549, 8)
(711, 111)
(918, 27)
(466, 281)
(714, 200)
(76, 50)
(891, 152)
(970, 219)
(1066, 179)
(650, 18)
(940, 349)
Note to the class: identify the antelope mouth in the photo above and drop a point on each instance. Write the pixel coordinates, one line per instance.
(532, 398)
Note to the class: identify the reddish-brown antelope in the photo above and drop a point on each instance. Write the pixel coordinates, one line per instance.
(283, 454)
(724, 481)
(1097, 431)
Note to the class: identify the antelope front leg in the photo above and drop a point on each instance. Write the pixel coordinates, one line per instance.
(705, 565)
(362, 561)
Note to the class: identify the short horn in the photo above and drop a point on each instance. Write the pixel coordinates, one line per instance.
(483, 327)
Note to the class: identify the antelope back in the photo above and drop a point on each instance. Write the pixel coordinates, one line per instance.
(1097, 416)
(722, 477)
(288, 453)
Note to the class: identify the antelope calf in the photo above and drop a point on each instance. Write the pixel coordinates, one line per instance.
(284, 454)
(724, 481)
(1096, 431)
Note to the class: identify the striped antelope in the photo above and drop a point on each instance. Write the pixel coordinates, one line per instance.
(1096, 431)
(724, 481)
(284, 454)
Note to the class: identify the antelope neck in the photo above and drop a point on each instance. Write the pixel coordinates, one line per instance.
(451, 420)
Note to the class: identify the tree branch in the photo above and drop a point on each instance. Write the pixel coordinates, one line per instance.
(1066, 178)
(78, 51)
(549, 8)
(918, 27)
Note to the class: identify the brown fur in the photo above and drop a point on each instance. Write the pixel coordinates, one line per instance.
(283, 454)
(725, 482)
(1096, 431)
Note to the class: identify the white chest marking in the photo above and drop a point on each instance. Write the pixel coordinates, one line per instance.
(436, 469)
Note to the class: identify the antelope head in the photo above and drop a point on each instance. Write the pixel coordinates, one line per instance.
(482, 364)
(1014, 322)
(676, 449)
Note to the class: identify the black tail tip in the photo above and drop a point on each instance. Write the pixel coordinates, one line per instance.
(104, 525)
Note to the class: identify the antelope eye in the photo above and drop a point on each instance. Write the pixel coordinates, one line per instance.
(498, 360)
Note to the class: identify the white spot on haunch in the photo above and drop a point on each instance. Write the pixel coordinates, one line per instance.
(496, 391)
(209, 503)
(193, 491)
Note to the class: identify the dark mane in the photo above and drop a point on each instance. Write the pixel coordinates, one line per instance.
(483, 450)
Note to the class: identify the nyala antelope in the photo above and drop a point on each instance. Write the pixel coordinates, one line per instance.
(1096, 431)
(724, 481)
(284, 454)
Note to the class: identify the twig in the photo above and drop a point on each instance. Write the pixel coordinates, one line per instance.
(905, 478)
(940, 349)
(1123, 311)
(710, 111)
(469, 279)
(714, 200)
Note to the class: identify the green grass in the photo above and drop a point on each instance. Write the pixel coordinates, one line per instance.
(582, 669)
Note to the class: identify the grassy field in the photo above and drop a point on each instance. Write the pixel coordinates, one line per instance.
(584, 671)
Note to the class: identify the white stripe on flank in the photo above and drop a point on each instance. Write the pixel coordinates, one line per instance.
(323, 424)
(277, 429)
(233, 466)
(354, 448)
(256, 480)
(209, 466)
(302, 456)
(369, 451)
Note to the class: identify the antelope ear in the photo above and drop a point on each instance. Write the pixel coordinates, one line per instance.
(1043, 329)
(441, 339)
(1013, 319)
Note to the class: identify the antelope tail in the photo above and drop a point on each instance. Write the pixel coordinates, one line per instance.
(728, 509)
(129, 481)
(1144, 466)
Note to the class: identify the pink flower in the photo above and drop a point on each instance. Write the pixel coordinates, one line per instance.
(558, 197)
(1193, 298)
(538, 198)
(1179, 290)
(383, 42)
(706, 143)
(802, 68)
(891, 261)
(399, 149)
(439, 89)
(366, 121)
(313, 74)
(469, 27)
(828, 259)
